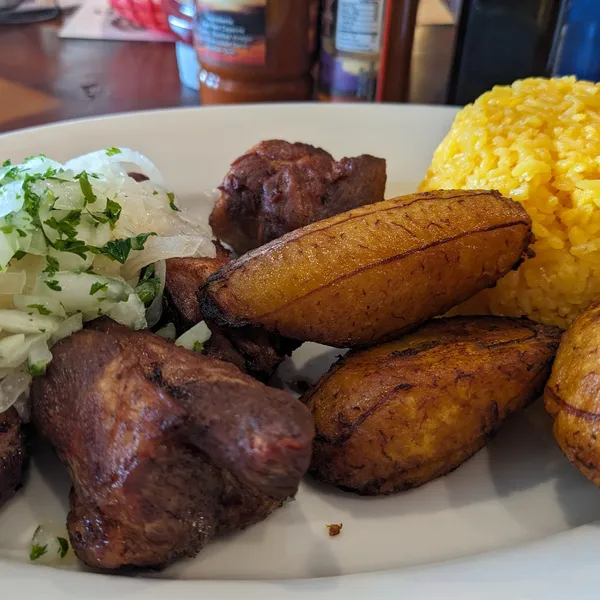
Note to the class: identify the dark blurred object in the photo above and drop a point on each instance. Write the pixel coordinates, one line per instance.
(576, 48)
(9, 15)
(499, 41)
(256, 50)
(366, 50)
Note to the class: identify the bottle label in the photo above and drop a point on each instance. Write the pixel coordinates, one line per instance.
(231, 31)
(351, 39)
(359, 25)
(347, 79)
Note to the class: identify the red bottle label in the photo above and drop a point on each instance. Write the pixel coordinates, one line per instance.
(231, 31)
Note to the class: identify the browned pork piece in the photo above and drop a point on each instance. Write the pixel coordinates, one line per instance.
(251, 349)
(278, 186)
(12, 454)
(166, 448)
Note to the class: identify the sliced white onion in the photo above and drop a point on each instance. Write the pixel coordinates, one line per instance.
(39, 356)
(154, 311)
(9, 244)
(100, 162)
(10, 347)
(12, 283)
(23, 406)
(194, 338)
(50, 545)
(19, 354)
(131, 313)
(11, 197)
(75, 291)
(68, 327)
(16, 321)
(38, 165)
(168, 331)
(163, 248)
(68, 195)
(13, 387)
(32, 304)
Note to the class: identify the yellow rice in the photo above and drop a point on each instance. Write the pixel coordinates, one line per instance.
(538, 142)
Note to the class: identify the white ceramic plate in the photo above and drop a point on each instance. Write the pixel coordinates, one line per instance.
(515, 521)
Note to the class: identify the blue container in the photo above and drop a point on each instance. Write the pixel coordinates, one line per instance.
(577, 44)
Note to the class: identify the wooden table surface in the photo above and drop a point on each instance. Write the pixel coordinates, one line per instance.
(45, 79)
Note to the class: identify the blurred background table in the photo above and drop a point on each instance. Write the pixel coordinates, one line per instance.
(45, 79)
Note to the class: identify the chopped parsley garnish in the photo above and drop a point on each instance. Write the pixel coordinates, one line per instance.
(171, 197)
(33, 157)
(19, 254)
(86, 188)
(119, 249)
(21, 233)
(65, 227)
(98, 287)
(112, 151)
(112, 212)
(37, 369)
(110, 215)
(198, 346)
(148, 273)
(31, 200)
(12, 173)
(63, 546)
(53, 285)
(155, 193)
(37, 551)
(8, 229)
(40, 308)
(52, 266)
(74, 246)
(148, 286)
(7, 163)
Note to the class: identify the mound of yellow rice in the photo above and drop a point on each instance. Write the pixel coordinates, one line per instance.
(538, 142)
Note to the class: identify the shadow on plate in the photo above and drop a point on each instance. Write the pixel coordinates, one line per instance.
(522, 457)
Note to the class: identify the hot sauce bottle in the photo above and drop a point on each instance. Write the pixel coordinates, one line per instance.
(256, 50)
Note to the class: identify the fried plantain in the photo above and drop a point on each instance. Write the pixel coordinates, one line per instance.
(374, 272)
(398, 415)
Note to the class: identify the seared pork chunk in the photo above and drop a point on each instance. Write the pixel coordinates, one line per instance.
(12, 454)
(251, 349)
(166, 448)
(278, 186)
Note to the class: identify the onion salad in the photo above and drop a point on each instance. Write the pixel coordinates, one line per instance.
(78, 241)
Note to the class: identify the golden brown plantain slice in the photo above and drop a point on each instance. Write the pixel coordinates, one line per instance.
(374, 272)
(572, 395)
(398, 415)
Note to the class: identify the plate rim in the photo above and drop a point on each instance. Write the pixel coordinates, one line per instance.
(475, 576)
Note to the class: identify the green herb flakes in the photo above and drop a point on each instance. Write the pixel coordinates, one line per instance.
(37, 369)
(119, 249)
(37, 551)
(98, 287)
(86, 188)
(40, 308)
(52, 266)
(112, 151)
(171, 197)
(63, 546)
(53, 285)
